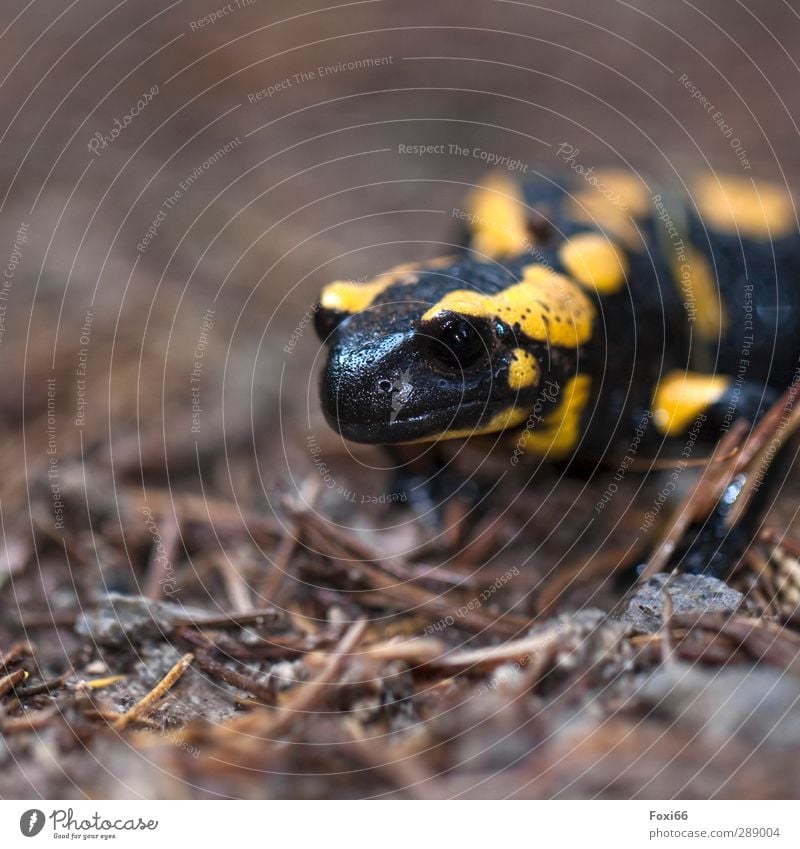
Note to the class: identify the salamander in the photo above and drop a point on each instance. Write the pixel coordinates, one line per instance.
(578, 308)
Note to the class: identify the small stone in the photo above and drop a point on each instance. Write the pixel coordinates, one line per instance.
(689, 594)
(121, 620)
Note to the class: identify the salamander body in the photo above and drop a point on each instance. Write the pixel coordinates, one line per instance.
(577, 310)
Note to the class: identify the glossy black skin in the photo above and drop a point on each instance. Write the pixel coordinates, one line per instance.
(764, 319)
(373, 350)
(373, 354)
(641, 333)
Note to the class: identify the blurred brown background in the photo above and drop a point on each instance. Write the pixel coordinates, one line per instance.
(178, 181)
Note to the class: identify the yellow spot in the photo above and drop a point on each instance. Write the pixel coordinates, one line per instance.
(510, 417)
(497, 218)
(464, 301)
(698, 287)
(680, 397)
(622, 188)
(613, 201)
(523, 371)
(594, 261)
(559, 431)
(350, 297)
(755, 209)
(548, 307)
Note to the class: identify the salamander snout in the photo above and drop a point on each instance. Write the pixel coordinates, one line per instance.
(365, 388)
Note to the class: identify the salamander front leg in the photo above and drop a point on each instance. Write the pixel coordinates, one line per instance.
(707, 405)
(428, 483)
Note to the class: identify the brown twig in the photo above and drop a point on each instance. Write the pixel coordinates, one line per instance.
(329, 537)
(38, 689)
(420, 650)
(307, 695)
(14, 655)
(229, 620)
(145, 704)
(775, 536)
(274, 582)
(783, 421)
(667, 612)
(522, 651)
(28, 721)
(54, 619)
(403, 770)
(263, 691)
(8, 682)
(389, 592)
(270, 648)
(707, 488)
(603, 565)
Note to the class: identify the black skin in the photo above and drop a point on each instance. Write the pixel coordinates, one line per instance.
(392, 377)
(455, 366)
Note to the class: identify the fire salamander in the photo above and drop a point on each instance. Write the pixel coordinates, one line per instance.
(577, 310)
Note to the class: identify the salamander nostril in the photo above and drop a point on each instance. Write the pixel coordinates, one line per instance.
(384, 385)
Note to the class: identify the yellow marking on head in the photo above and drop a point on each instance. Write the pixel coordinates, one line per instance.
(595, 262)
(351, 297)
(613, 201)
(463, 301)
(510, 417)
(681, 396)
(548, 307)
(557, 434)
(756, 209)
(498, 218)
(698, 287)
(523, 371)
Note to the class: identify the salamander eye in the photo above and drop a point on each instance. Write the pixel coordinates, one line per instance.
(457, 343)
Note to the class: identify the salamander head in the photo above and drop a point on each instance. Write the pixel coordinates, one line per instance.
(427, 354)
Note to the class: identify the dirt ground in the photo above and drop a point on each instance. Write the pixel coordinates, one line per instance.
(204, 592)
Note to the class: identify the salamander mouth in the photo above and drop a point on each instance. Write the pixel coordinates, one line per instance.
(421, 426)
